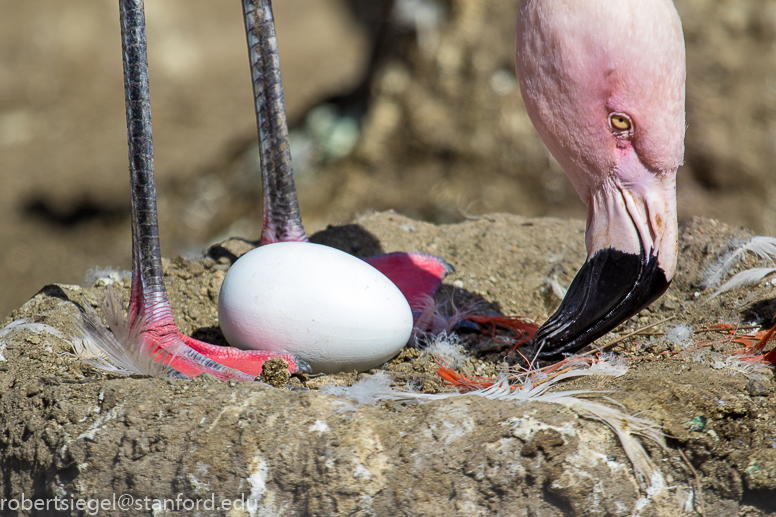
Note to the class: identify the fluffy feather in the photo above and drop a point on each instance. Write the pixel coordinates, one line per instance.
(750, 366)
(366, 391)
(448, 348)
(120, 350)
(751, 276)
(108, 275)
(761, 245)
(680, 335)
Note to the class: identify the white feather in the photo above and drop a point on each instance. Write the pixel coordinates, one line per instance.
(751, 276)
(24, 324)
(749, 365)
(366, 391)
(626, 427)
(761, 245)
(448, 348)
(108, 275)
(609, 363)
(558, 290)
(120, 350)
(680, 335)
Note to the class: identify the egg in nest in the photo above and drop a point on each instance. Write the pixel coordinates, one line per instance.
(328, 308)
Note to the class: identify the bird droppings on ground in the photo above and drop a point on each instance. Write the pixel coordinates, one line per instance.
(67, 428)
(275, 373)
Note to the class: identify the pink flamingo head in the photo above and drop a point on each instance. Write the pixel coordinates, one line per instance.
(603, 83)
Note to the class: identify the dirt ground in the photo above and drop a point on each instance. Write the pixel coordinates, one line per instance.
(434, 129)
(67, 429)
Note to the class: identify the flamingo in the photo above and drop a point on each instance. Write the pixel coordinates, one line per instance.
(150, 329)
(604, 84)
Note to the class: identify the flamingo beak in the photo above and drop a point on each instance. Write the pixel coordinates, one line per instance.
(631, 241)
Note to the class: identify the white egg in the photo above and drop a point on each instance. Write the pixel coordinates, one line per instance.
(330, 309)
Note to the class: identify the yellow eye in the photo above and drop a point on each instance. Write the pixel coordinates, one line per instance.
(620, 122)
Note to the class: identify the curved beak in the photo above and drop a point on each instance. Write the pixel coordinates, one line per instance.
(631, 241)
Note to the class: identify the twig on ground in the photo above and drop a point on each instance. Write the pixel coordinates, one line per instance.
(611, 344)
(697, 483)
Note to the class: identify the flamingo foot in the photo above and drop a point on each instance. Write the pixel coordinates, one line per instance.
(417, 275)
(192, 358)
(135, 346)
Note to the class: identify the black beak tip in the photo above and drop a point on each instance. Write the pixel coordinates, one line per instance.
(610, 287)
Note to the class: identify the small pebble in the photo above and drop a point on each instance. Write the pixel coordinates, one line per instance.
(756, 389)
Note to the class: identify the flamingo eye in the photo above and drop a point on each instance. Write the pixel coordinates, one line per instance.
(620, 122)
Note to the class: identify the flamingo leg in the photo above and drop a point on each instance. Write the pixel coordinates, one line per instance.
(281, 221)
(149, 305)
(417, 275)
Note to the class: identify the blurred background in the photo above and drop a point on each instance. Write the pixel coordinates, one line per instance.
(405, 104)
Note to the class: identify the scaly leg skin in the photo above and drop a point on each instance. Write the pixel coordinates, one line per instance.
(282, 222)
(149, 305)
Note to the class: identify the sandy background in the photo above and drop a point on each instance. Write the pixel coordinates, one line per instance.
(436, 130)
